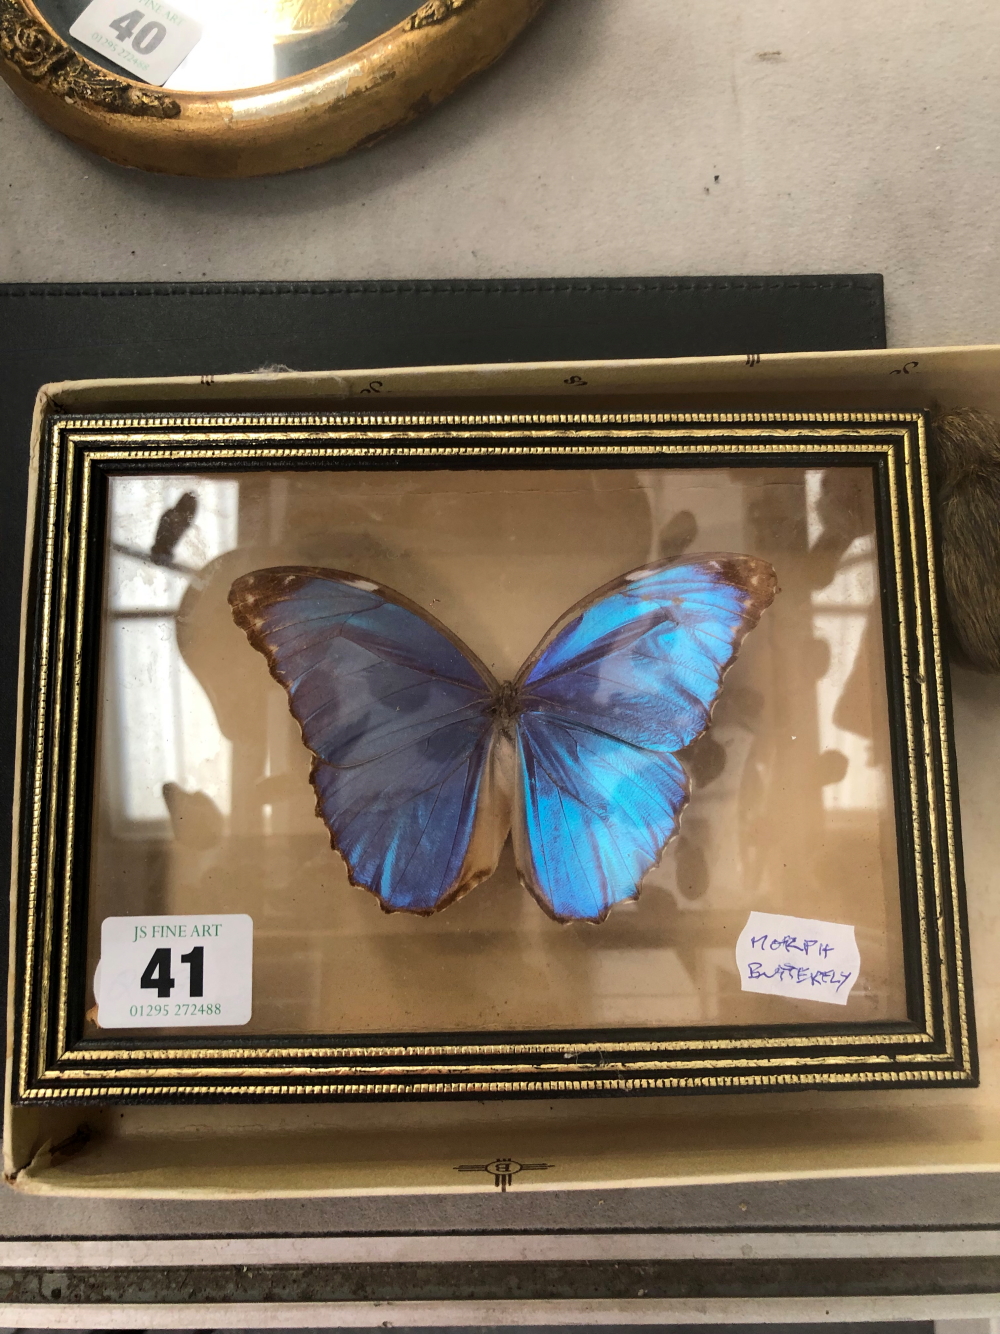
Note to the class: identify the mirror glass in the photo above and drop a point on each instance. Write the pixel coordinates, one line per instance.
(242, 43)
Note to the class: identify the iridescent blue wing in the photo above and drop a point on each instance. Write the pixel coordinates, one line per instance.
(591, 815)
(397, 715)
(624, 680)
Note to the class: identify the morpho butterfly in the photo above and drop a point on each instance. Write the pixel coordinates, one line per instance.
(423, 761)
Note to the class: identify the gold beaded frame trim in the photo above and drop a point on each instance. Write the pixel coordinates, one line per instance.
(935, 1045)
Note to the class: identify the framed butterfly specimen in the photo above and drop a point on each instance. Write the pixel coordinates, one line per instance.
(498, 738)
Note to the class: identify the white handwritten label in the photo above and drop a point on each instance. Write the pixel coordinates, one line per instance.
(149, 38)
(168, 972)
(798, 957)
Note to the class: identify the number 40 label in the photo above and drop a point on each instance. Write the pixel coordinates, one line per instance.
(162, 972)
(149, 38)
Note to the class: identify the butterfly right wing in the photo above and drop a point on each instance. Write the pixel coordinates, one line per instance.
(591, 815)
(396, 714)
(624, 680)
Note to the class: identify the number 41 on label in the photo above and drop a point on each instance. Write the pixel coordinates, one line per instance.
(161, 972)
(157, 972)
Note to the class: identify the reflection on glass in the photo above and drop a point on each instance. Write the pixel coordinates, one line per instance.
(163, 532)
(204, 801)
(249, 43)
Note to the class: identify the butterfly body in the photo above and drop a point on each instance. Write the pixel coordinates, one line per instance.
(505, 708)
(423, 761)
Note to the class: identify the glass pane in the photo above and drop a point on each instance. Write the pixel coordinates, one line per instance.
(204, 803)
(246, 43)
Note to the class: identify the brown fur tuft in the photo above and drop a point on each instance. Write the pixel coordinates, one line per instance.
(965, 464)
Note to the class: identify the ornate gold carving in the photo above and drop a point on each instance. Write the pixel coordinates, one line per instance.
(39, 55)
(435, 11)
(323, 112)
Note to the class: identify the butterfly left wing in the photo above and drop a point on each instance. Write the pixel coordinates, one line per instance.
(396, 713)
(624, 680)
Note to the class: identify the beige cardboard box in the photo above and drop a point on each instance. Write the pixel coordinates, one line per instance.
(271, 1150)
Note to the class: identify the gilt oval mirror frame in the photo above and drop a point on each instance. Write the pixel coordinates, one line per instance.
(418, 56)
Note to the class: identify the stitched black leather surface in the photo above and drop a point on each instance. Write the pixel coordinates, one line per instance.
(96, 331)
(76, 331)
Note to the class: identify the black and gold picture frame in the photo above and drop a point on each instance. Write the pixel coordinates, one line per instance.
(234, 88)
(374, 756)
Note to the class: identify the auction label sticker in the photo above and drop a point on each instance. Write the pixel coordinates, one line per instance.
(798, 957)
(149, 38)
(166, 972)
